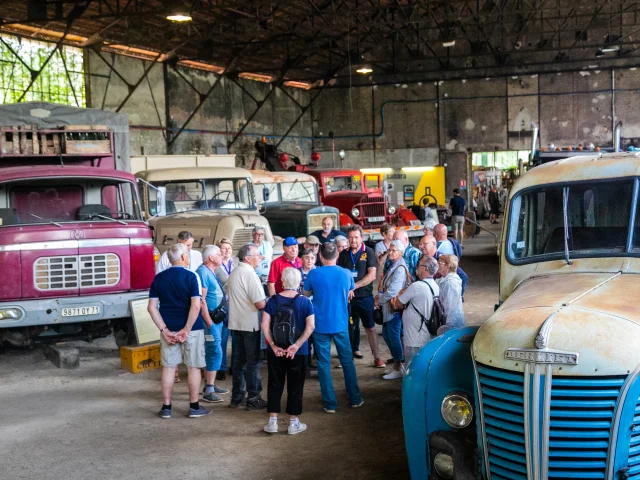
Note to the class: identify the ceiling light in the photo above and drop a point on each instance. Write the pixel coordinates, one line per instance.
(376, 170)
(364, 70)
(179, 17)
(599, 53)
(448, 43)
(418, 169)
(610, 48)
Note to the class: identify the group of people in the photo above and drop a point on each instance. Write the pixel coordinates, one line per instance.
(294, 307)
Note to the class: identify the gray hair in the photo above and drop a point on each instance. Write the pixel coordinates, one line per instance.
(175, 253)
(210, 251)
(184, 235)
(259, 228)
(245, 251)
(399, 245)
(291, 278)
(340, 239)
(431, 264)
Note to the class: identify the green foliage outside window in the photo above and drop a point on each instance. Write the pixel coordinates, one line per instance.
(21, 59)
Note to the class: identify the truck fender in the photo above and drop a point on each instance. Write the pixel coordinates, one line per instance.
(346, 220)
(405, 216)
(444, 365)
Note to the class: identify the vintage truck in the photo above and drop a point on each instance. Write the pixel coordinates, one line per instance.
(289, 200)
(211, 198)
(548, 387)
(74, 248)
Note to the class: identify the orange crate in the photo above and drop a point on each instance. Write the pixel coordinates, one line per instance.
(136, 359)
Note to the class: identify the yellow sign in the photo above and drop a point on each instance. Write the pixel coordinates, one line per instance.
(146, 330)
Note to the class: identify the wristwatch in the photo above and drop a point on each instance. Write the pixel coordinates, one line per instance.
(163, 329)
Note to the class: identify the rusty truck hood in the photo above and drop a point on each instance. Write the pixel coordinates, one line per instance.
(592, 314)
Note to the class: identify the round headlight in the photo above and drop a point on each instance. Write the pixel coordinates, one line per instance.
(355, 212)
(391, 209)
(457, 411)
(443, 464)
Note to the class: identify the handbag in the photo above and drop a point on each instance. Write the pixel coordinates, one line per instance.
(219, 314)
(378, 318)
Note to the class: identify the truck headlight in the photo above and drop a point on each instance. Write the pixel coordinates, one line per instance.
(391, 209)
(355, 212)
(456, 411)
(443, 464)
(10, 313)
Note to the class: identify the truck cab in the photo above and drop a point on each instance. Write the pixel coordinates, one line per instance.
(548, 386)
(210, 202)
(74, 247)
(289, 200)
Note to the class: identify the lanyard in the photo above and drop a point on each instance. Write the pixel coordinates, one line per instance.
(292, 262)
(227, 268)
(356, 259)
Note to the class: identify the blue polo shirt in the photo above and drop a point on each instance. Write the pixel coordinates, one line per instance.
(175, 287)
(330, 286)
(332, 235)
(209, 281)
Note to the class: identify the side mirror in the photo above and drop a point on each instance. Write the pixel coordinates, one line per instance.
(265, 193)
(161, 199)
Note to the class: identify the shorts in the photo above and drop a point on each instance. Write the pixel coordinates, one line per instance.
(362, 308)
(213, 347)
(191, 352)
(457, 222)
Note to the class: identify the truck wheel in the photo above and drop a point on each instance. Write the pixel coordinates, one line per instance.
(124, 333)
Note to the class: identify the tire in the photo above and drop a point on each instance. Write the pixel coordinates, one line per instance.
(124, 333)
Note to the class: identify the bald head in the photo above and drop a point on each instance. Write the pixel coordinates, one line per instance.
(440, 232)
(402, 236)
(428, 246)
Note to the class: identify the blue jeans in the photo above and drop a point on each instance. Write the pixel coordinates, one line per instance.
(391, 331)
(213, 347)
(322, 343)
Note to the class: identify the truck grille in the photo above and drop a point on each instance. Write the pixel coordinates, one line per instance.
(634, 446)
(241, 237)
(581, 414)
(373, 211)
(74, 271)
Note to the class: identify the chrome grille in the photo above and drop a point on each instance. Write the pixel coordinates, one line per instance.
(634, 446)
(372, 210)
(242, 236)
(580, 417)
(74, 271)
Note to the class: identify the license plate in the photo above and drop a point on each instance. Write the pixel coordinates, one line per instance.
(375, 219)
(80, 311)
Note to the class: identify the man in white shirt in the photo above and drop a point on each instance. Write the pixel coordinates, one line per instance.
(265, 249)
(418, 302)
(195, 257)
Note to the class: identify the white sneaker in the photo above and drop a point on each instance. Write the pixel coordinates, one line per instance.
(271, 427)
(296, 428)
(393, 375)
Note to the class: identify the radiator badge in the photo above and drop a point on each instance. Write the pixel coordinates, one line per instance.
(547, 356)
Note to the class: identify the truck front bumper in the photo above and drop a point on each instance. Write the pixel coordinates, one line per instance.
(49, 311)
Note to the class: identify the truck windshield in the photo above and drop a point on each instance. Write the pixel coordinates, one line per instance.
(598, 219)
(271, 189)
(67, 199)
(299, 192)
(208, 194)
(336, 184)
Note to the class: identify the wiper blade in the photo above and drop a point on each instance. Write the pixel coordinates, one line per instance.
(565, 213)
(45, 220)
(109, 218)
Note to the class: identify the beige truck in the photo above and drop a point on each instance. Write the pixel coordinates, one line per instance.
(206, 195)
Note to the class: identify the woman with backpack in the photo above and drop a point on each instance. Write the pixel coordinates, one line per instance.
(450, 285)
(395, 278)
(287, 322)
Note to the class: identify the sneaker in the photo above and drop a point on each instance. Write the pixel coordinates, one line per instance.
(164, 413)
(271, 427)
(358, 405)
(338, 365)
(378, 363)
(393, 375)
(358, 354)
(328, 410)
(313, 367)
(296, 428)
(212, 398)
(237, 404)
(200, 412)
(390, 361)
(258, 404)
(220, 390)
(221, 376)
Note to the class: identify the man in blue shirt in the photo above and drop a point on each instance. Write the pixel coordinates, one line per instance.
(458, 206)
(327, 234)
(175, 299)
(214, 296)
(411, 253)
(331, 286)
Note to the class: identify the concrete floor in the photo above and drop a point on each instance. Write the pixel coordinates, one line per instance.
(98, 422)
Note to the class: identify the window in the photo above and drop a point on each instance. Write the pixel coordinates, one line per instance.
(187, 195)
(61, 80)
(268, 191)
(372, 182)
(337, 184)
(299, 192)
(502, 160)
(598, 216)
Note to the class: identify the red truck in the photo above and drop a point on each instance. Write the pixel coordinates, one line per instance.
(74, 248)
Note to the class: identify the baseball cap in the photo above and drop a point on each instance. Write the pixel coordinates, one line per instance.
(290, 242)
(312, 240)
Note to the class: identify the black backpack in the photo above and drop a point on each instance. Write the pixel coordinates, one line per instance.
(283, 325)
(438, 316)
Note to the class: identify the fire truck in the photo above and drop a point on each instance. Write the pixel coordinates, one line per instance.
(74, 247)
